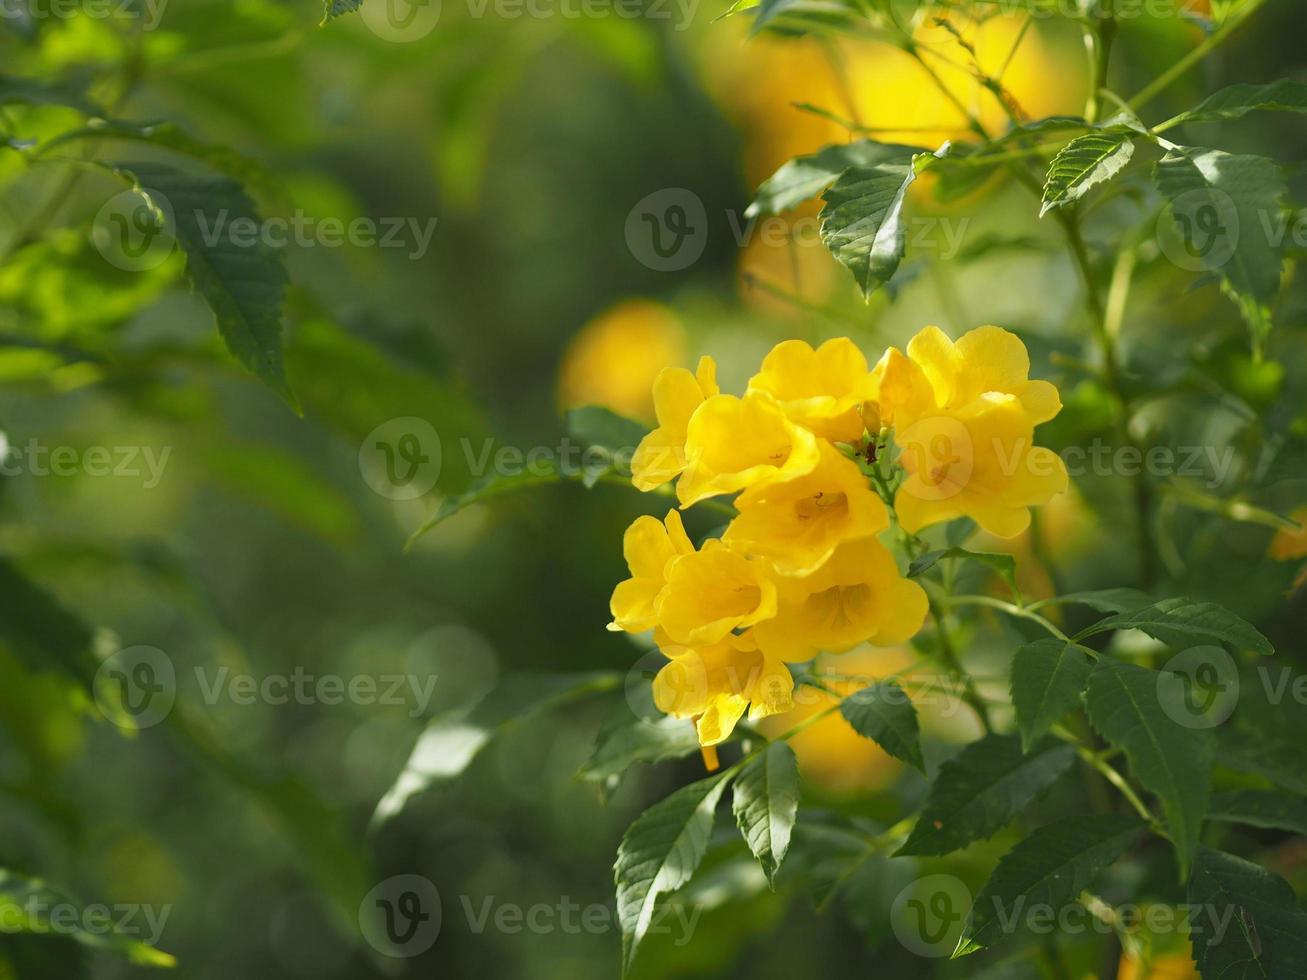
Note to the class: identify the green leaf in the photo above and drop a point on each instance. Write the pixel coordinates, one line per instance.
(805, 177)
(1005, 565)
(884, 713)
(244, 286)
(451, 741)
(658, 854)
(1048, 677)
(1104, 600)
(981, 789)
(597, 426)
(337, 8)
(41, 632)
(766, 802)
(862, 219)
(1048, 869)
(1169, 759)
(29, 905)
(1244, 921)
(1260, 808)
(31, 91)
(1178, 621)
(496, 485)
(1237, 101)
(1083, 164)
(1223, 206)
(618, 747)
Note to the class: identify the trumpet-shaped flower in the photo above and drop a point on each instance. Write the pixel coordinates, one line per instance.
(716, 683)
(964, 416)
(799, 523)
(733, 443)
(858, 596)
(711, 592)
(649, 546)
(677, 393)
(823, 390)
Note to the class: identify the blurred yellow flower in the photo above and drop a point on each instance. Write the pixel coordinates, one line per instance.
(613, 360)
(676, 394)
(1173, 966)
(797, 524)
(858, 596)
(823, 390)
(713, 591)
(964, 416)
(1288, 545)
(716, 683)
(732, 443)
(649, 547)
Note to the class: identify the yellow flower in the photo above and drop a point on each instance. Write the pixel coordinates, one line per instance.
(716, 683)
(732, 443)
(964, 416)
(1288, 545)
(614, 359)
(711, 592)
(798, 524)
(858, 596)
(823, 390)
(649, 547)
(676, 394)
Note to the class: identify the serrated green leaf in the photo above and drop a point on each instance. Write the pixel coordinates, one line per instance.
(1083, 164)
(244, 286)
(1169, 759)
(1104, 600)
(1179, 620)
(331, 9)
(600, 427)
(805, 177)
(659, 853)
(766, 802)
(981, 789)
(884, 713)
(1236, 101)
(862, 218)
(618, 747)
(1048, 869)
(1048, 677)
(28, 905)
(1225, 207)
(1005, 565)
(451, 741)
(1260, 808)
(1244, 921)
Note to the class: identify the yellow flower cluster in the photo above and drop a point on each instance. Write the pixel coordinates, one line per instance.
(800, 568)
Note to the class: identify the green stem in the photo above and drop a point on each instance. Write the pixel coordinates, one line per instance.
(1012, 609)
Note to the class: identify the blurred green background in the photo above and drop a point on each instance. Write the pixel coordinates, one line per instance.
(262, 547)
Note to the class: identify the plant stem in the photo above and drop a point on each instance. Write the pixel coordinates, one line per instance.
(1012, 609)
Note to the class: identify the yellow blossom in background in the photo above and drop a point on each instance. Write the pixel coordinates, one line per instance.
(613, 360)
(823, 390)
(732, 443)
(1172, 966)
(713, 591)
(1288, 545)
(797, 524)
(649, 547)
(964, 416)
(676, 394)
(858, 596)
(716, 683)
